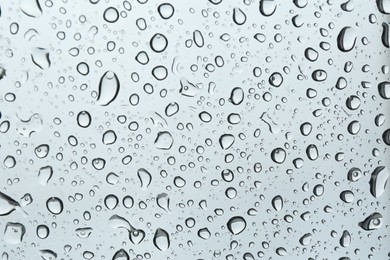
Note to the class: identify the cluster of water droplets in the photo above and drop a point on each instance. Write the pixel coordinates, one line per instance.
(208, 129)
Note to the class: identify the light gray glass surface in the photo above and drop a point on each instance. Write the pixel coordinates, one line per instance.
(208, 129)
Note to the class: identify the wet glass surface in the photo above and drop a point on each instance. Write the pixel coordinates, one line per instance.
(210, 129)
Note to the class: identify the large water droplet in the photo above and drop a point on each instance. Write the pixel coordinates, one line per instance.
(145, 178)
(55, 205)
(239, 16)
(108, 88)
(31, 8)
(159, 42)
(236, 225)
(161, 239)
(111, 15)
(378, 181)
(278, 155)
(267, 7)
(164, 140)
(346, 39)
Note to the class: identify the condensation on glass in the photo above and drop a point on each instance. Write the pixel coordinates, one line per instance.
(210, 129)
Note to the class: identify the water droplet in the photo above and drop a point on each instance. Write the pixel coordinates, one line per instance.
(14, 233)
(164, 140)
(45, 174)
(121, 255)
(166, 10)
(347, 196)
(384, 89)
(204, 233)
(160, 72)
(354, 174)
(236, 225)
(111, 15)
(30, 8)
(226, 141)
(55, 205)
(277, 203)
(378, 181)
(40, 57)
(383, 6)
(42, 231)
(42, 151)
(109, 137)
(372, 222)
(311, 54)
(161, 239)
(198, 38)
(144, 177)
(346, 39)
(84, 119)
(239, 16)
(236, 96)
(159, 42)
(111, 201)
(276, 79)
(278, 155)
(267, 7)
(319, 75)
(108, 88)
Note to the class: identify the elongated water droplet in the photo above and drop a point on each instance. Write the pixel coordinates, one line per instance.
(378, 181)
(40, 57)
(144, 177)
(45, 174)
(372, 222)
(239, 17)
(163, 201)
(161, 239)
(84, 119)
(346, 39)
(277, 203)
(31, 8)
(108, 88)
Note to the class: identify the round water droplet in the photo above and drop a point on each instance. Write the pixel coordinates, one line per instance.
(276, 79)
(160, 72)
(159, 42)
(42, 151)
(109, 137)
(166, 10)
(278, 155)
(111, 15)
(236, 225)
(55, 205)
(42, 231)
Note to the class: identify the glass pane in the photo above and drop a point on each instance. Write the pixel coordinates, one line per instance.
(209, 129)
